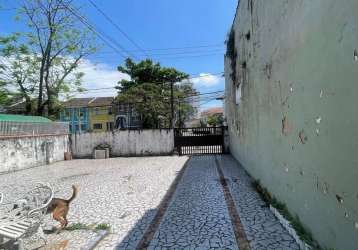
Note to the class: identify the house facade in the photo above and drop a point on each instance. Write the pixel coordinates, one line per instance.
(126, 117)
(99, 114)
(217, 112)
(101, 117)
(76, 113)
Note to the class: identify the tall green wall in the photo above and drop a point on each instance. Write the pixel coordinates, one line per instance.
(296, 126)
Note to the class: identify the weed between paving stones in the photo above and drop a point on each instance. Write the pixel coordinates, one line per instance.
(304, 235)
(81, 226)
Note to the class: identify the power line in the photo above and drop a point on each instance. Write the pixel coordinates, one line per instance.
(100, 34)
(189, 78)
(7, 9)
(192, 56)
(202, 75)
(90, 27)
(182, 48)
(197, 103)
(170, 53)
(200, 99)
(184, 97)
(117, 27)
(201, 96)
(175, 57)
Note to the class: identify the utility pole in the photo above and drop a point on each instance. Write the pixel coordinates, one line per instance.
(179, 114)
(172, 104)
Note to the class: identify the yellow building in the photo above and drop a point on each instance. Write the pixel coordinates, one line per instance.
(101, 117)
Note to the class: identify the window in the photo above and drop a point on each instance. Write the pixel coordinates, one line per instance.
(97, 126)
(97, 111)
(83, 127)
(70, 128)
(109, 126)
(67, 115)
(77, 128)
(110, 111)
(82, 114)
(136, 118)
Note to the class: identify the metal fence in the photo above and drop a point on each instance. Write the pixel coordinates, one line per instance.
(13, 129)
(207, 140)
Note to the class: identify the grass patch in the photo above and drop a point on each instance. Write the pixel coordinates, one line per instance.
(81, 226)
(301, 231)
(78, 226)
(103, 226)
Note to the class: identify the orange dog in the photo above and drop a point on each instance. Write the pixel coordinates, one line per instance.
(59, 208)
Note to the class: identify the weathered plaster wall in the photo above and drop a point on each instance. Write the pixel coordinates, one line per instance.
(27, 152)
(296, 127)
(125, 143)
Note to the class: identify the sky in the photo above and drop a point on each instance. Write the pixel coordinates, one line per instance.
(188, 35)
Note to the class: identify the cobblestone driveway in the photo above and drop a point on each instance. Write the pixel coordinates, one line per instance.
(118, 191)
(127, 192)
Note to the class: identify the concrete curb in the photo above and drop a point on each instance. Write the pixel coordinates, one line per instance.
(287, 225)
(94, 242)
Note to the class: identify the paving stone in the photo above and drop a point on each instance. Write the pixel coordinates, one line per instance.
(123, 192)
(199, 205)
(262, 228)
(126, 192)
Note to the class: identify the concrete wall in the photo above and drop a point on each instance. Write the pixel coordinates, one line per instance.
(296, 127)
(27, 152)
(125, 143)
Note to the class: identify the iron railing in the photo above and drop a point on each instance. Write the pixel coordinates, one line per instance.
(13, 129)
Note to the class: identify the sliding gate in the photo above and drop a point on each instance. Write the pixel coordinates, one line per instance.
(207, 140)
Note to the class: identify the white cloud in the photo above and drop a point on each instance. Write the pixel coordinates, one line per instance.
(96, 76)
(99, 76)
(206, 80)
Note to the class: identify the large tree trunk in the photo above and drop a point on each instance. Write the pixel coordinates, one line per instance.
(40, 107)
(28, 105)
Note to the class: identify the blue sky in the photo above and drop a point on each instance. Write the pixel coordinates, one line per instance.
(154, 24)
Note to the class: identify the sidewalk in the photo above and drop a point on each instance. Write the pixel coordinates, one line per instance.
(198, 216)
(156, 203)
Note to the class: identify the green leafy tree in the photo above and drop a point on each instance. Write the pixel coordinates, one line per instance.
(149, 91)
(18, 68)
(54, 44)
(215, 120)
(4, 98)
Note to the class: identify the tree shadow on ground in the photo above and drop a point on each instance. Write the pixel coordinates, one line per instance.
(144, 229)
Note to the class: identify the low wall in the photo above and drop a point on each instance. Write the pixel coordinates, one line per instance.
(26, 152)
(125, 143)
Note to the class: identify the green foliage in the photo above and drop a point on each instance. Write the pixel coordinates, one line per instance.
(18, 79)
(82, 226)
(102, 226)
(215, 120)
(202, 123)
(231, 53)
(148, 90)
(148, 72)
(41, 63)
(78, 226)
(4, 98)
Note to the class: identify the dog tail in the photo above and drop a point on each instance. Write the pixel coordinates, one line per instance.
(74, 194)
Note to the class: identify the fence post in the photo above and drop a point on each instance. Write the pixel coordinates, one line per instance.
(223, 139)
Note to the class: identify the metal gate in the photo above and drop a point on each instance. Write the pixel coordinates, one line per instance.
(206, 140)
